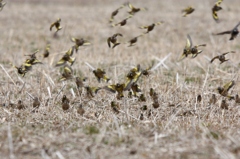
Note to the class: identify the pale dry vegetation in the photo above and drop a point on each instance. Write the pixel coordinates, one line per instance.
(180, 128)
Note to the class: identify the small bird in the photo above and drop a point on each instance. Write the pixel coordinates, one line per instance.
(224, 104)
(67, 73)
(46, 51)
(56, 24)
(79, 42)
(36, 102)
(144, 107)
(65, 103)
(224, 90)
(215, 9)
(2, 4)
(142, 98)
(195, 51)
(133, 76)
(20, 105)
(123, 22)
(133, 41)
(155, 104)
(213, 99)
(135, 88)
(80, 110)
(141, 116)
(92, 90)
(67, 57)
(134, 10)
(65, 99)
(100, 74)
(79, 81)
(150, 27)
(221, 57)
(21, 70)
(187, 48)
(146, 72)
(234, 32)
(187, 11)
(119, 88)
(237, 99)
(114, 13)
(115, 107)
(113, 40)
(199, 98)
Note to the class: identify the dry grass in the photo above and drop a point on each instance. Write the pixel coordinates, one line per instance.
(205, 132)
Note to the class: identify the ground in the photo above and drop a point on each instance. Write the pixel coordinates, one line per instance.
(181, 127)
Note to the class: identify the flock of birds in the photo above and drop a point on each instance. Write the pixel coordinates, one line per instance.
(132, 77)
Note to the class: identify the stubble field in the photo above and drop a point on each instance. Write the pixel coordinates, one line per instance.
(181, 127)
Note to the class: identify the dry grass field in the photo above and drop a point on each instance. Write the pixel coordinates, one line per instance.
(181, 127)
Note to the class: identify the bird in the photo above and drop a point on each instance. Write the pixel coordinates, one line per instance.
(79, 81)
(195, 51)
(133, 75)
(199, 98)
(100, 74)
(113, 39)
(115, 107)
(123, 22)
(213, 99)
(67, 73)
(215, 9)
(155, 104)
(187, 11)
(65, 103)
(224, 90)
(115, 12)
(119, 88)
(56, 24)
(46, 51)
(142, 98)
(21, 70)
(224, 104)
(92, 90)
(2, 4)
(135, 89)
(20, 105)
(67, 57)
(187, 48)
(36, 102)
(221, 57)
(237, 99)
(150, 27)
(79, 42)
(234, 32)
(134, 10)
(133, 41)
(141, 116)
(80, 110)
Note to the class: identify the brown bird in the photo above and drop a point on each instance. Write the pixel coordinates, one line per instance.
(56, 24)
(224, 104)
(199, 98)
(67, 73)
(221, 57)
(123, 22)
(22, 70)
(67, 57)
(100, 74)
(155, 104)
(36, 102)
(141, 116)
(187, 11)
(79, 81)
(115, 107)
(113, 40)
(150, 27)
(224, 90)
(215, 9)
(20, 105)
(79, 42)
(80, 110)
(134, 10)
(142, 98)
(213, 99)
(65, 103)
(133, 41)
(234, 32)
(46, 51)
(237, 99)
(135, 88)
(114, 13)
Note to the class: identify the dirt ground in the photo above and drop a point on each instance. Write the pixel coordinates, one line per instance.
(181, 127)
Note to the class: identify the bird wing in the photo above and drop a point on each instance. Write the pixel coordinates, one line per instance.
(189, 42)
(236, 25)
(228, 86)
(225, 32)
(109, 42)
(216, 57)
(214, 14)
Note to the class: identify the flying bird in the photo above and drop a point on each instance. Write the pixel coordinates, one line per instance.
(123, 22)
(113, 40)
(56, 24)
(134, 10)
(79, 42)
(67, 57)
(221, 57)
(187, 11)
(100, 74)
(234, 32)
(224, 90)
(133, 41)
(150, 27)
(215, 9)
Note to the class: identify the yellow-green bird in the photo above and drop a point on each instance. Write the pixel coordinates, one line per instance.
(150, 27)
(56, 24)
(222, 57)
(187, 11)
(67, 57)
(46, 51)
(79, 42)
(134, 10)
(100, 74)
(215, 9)
(224, 90)
(123, 22)
(113, 40)
(67, 73)
(119, 88)
(92, 90)
(195, 51)
(187, 48)
(2, 4)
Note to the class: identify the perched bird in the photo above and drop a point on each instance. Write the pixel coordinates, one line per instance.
(141, 116)
(133, 41)
(67, 57)
(150, 27)
(79, 42)
(153, 95)
(36, 102)
(67, 73)
(56, 24)
(123, 22)
(155, 104)
(2, 4)
(134, 10)
(144, 107)
(80, 110)
(91, 91)
(215, 9)
(237, 99)
(234, 32)
(224, 104)
(119, 88)
(224, 90)
(187, 11)
(115, 107)
(65, 105)
(20, 105)
(46, 51)
(113, 40)
(221, 57)
(115, 12)
(100, 74)
(213, 99)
